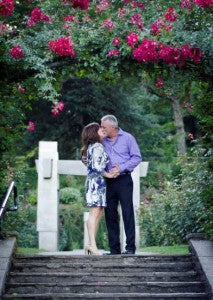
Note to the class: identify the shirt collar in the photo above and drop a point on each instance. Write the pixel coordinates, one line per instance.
(120, 131)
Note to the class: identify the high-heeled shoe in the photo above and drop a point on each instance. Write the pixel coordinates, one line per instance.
(91, 251)
(87, 250)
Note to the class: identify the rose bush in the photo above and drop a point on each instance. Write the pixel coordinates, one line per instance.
(110, 38)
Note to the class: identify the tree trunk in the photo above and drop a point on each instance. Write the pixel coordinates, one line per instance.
(178, 118)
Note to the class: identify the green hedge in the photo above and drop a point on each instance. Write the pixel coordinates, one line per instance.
(183, 206)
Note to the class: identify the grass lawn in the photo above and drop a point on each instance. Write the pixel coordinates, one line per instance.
(170, 250)
(25, 251)
(177, 249)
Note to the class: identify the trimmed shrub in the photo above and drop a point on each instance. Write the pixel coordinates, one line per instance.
(69, 195)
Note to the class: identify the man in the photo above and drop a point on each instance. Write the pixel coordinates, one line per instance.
(124, 155)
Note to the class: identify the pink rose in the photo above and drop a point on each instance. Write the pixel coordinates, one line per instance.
(190, 136)
(114, 52)
(31, 126)
(132, 39)
(116, 41)
(159, 83)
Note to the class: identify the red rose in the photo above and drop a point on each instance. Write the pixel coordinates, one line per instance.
(170, 15)
(16, 52)
(6, 7)
(116, 41)
(132, 39)
(204, 3)
(146, 52)
(82, 4)
(62, 46)
(37, 15)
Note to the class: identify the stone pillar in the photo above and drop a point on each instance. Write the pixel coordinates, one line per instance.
(136, 203)
(47, 206)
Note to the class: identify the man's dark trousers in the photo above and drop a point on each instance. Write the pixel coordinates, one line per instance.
(120, 189)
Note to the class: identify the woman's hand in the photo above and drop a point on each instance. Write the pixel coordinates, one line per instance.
(113, 173)
(108, 175)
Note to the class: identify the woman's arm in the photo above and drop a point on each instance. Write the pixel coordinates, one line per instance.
(99, 158)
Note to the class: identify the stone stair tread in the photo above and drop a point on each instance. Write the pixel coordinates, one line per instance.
(48, 256)
(105, 287)
(151, 283)
(19, 277)
(61, 274)
(108, 296)
(98, 263)
(101, 262)
(104, 258)
(105, 266)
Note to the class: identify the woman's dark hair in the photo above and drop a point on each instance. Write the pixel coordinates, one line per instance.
(90, 136)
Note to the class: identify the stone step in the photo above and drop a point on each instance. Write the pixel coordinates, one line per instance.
(106, 287)
(104, 277)
(103, 258)
(101, 267)
(19, 277)
(114, 296)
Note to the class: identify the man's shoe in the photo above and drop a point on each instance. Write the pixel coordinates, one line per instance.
(126, 252)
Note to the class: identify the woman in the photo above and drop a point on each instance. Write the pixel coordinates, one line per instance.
(97, 160)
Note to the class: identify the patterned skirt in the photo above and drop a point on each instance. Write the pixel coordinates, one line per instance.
(95, 190)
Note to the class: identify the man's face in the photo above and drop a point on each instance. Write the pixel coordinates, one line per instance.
(107, 128)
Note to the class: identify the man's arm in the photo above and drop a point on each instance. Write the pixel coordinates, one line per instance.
(135, 156)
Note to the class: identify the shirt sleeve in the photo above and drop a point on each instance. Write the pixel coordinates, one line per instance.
(99, 159)
(135, 156)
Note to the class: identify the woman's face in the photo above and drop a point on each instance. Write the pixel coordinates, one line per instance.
(101, 133)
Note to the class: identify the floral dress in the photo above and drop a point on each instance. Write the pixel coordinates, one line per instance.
(95, 183)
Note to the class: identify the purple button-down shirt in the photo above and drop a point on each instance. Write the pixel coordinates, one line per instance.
(123, 151)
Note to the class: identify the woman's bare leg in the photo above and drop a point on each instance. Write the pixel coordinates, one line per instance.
(98, 221)
(92, 223)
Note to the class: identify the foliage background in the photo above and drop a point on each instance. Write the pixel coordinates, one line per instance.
(93, 85)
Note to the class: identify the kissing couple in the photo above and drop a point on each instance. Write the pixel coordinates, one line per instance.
(110, 154)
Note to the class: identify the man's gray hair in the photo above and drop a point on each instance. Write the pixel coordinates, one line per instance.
(112, 119)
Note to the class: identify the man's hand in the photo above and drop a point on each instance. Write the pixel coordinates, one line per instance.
(115, 171)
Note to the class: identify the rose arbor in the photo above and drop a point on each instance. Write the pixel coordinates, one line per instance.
(49, 168)
(102, 38)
